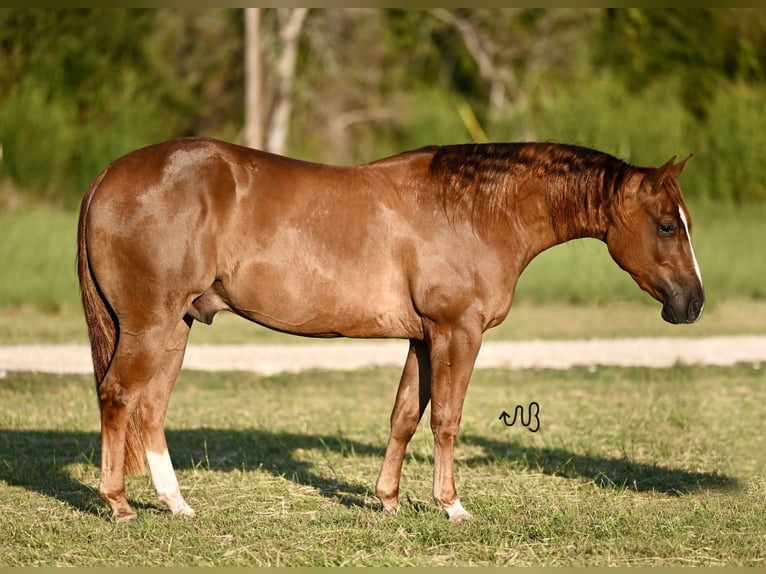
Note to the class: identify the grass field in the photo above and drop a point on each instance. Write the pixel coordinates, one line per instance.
(629, 467)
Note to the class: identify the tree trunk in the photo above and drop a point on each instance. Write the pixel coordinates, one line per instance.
(291, 23)
(254, 99)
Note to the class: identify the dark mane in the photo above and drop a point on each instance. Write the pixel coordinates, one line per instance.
(485, 180)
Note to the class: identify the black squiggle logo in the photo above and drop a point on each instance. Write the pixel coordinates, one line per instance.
(532, 422)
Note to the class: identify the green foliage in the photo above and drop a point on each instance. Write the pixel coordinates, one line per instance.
(700, 46)
(79, 88)
(730, 145)
(630, 466)
(57, 155)
(76, 94)
(83, 87)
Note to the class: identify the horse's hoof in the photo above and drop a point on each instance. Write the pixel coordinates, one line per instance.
(391, 510)
(124, 516)
(187, 512)
(456, 512)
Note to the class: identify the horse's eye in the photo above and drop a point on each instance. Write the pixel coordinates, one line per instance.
(666, 228)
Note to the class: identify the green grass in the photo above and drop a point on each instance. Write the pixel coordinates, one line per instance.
(37, 256)
(630, 467)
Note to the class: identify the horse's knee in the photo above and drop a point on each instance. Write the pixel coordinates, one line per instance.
(445, 431)
(403, 429)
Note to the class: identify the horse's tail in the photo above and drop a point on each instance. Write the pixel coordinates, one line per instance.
(103, 330)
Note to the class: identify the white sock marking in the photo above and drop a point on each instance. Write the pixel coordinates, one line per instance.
(166, 483)
(455, 511)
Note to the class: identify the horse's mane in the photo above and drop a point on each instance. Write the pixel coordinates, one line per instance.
(486, 179)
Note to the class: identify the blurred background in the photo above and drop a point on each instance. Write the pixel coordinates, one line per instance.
(79, 88)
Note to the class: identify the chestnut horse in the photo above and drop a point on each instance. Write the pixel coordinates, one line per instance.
(426, 245)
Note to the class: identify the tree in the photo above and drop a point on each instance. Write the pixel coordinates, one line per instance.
(290, 23)
(254, 96)
(701, 47)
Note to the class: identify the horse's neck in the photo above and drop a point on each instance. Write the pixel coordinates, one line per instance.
(577, 212)
(560, 211)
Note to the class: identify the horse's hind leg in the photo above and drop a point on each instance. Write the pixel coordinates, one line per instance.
(411, 400)
(154, 405)
(139, 355)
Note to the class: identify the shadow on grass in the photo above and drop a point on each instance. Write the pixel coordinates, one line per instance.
(276, 452)
(602, 471)
(38, 461)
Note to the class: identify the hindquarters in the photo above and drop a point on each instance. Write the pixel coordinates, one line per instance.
(146, 250)
(154, 227)
(148, 241)
(102, 325)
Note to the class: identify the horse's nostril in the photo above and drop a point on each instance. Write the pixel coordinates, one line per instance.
(694, 309)
(669, 314)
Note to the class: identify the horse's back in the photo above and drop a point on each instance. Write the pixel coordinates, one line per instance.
(298, 246)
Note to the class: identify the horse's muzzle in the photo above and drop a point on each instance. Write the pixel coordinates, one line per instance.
(683, 309)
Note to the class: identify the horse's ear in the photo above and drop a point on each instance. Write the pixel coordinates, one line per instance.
(676, 170)
(671, 169)
(665, 170)
(668, 169)
(653, 180)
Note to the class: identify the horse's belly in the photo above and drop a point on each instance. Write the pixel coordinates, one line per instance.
(336, 324)
(343, 305)
(329, 318)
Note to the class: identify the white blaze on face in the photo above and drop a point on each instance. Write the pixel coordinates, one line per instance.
(689, 237)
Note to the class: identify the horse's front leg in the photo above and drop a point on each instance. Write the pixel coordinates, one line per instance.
(453, 353)
(411, 400)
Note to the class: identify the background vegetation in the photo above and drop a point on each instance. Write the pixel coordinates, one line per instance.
(81, 87)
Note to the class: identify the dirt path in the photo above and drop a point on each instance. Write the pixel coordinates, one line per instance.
(345, 354)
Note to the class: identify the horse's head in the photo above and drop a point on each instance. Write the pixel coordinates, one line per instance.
(649, 236)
